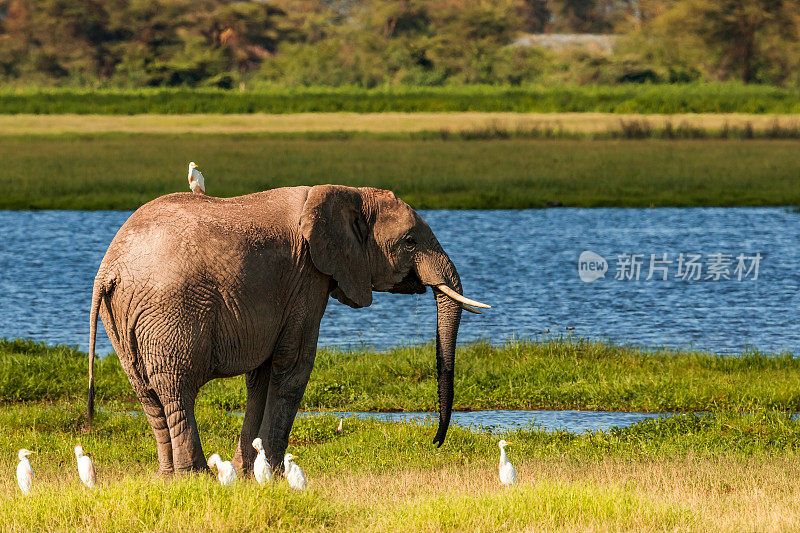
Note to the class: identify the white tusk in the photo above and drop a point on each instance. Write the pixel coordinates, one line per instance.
(466, 307)
(462, 300)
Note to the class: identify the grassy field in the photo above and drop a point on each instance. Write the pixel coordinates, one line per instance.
(691, 98)
(463, 124)
(123, 171)
(718, 471)
(693, 473)
(551, 374)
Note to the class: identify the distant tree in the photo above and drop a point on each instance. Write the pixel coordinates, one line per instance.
(136, 42)
(535, 15)
(14, 36)
(739, 37)
(58, 38)
(579, 16)
(248, 32)
(647, 10)
(311, 21)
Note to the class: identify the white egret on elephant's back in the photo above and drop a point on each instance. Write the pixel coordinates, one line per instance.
(226, 473)
(196, 182)
(261, 467)
(24, 471)
(294, 474)
(508, 475)
(85, 467)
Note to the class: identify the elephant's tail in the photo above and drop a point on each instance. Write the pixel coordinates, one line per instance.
(98, 293)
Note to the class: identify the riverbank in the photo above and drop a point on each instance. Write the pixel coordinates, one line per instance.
(554, 374)
(123, 171)
(690, 473)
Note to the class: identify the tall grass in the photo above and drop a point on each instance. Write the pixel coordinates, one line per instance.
(552, 374)
(692, 98)
(123, 171)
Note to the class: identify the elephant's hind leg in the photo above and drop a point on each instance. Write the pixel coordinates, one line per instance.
(158, 422)
(257, 382)
(178, 401)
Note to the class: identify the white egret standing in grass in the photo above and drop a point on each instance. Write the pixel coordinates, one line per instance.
(85, 467)
(294, 475)
(341, 422)
(24, 471)
(261, 468)
(196, 182)
(226, 473)
(508, 476)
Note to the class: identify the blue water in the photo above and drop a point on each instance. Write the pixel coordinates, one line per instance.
(498, 421)
(524, 263)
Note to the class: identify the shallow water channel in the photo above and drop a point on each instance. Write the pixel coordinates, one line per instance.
(572, 421)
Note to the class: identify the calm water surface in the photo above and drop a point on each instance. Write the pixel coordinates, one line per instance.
(524, 263)
(572, 421)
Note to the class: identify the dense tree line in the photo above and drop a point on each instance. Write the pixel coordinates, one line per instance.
(226, 43)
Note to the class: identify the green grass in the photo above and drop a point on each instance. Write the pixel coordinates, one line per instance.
(552, 374)
(723, 470)
(123, 171)
(692, 98)
(388, 476)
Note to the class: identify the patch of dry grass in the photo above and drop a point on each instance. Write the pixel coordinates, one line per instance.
(567, 123)
(609, 494)
(718, 493)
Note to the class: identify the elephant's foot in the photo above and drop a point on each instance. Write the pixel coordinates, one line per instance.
(165, 467)
(193, 461)
(277, 469)
(243, 463)
(242, 468)
(193, 469)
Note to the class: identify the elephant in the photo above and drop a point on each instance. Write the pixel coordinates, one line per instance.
(194, 288)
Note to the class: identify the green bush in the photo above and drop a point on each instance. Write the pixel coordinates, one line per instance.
(686, 98)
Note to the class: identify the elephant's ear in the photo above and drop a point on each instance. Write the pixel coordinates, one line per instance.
(333, 223)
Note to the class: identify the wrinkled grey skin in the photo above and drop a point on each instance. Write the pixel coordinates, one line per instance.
(194, 288)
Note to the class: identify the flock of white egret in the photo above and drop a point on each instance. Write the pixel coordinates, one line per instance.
(226, 472)
(25, 471)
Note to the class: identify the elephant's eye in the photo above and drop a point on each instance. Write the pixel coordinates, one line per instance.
(411, 241)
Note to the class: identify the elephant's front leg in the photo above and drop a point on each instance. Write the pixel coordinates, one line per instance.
(291, 368)
(257, 382)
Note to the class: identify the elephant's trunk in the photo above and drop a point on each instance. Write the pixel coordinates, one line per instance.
(436, 269)
(448, 318)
